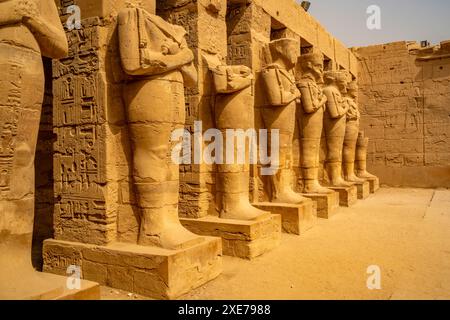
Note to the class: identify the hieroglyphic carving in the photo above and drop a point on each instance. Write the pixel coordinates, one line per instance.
(9, 123)
(79, 124)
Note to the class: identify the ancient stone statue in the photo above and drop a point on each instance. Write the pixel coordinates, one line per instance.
(155, 55)
(279, 113)
(234, 109)
(351, 133)
(361, 157)
(335, 125)
(28, 30)
(310, 119)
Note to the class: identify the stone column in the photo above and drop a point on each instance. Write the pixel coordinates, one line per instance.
(234, 109)
(110, 205)
(335, 123)
(335, 120)
(279, 114)
(155, 56)
(310, 120)
(204, 21)
(351, 134)
(248, 32)
(350, 142)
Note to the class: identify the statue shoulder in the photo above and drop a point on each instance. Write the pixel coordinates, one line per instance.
(307, 83)
(328, 90)
(272, 66)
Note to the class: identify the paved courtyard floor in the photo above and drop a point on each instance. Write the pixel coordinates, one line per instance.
(405, 232)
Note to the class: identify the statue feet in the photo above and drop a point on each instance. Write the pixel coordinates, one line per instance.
(354, 179)
(341, 183)
(349, 173)
(335, 175)
(166, 232)
(313, 186)
(365, 175)
(289, 196)
(244, 211)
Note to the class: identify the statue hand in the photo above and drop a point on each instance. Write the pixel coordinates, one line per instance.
(323, 102)
(245, 71)
(186, 55)
(296, 92)
(174, 48)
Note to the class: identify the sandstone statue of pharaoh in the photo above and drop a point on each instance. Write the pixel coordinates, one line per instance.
(310, 116)
(29, 29)
(158, 63)
(361, 158)
(335, 121)
(351, 134)
(279, 114)
(234, 109)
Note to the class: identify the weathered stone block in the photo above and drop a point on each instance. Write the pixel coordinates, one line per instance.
(150, 271)
(327, 204)
(374, 184)
(363, 189)
(242, 239)
(87, 291)
(296, 219)
(347, 195)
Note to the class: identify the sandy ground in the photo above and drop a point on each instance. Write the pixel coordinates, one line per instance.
(406, 232)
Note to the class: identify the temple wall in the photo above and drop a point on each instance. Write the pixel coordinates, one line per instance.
(405, 104)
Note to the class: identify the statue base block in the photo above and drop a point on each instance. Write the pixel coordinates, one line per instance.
(363, 189)
(242, 239)
(348, 196)
(374, 184)
(150, 271)
(327, 204)
(295, 218)
(87, 290)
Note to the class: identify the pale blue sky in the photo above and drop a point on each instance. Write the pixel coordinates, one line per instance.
(411, 20)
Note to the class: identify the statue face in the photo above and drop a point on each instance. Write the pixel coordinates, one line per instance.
(291, 53)
(316, 68)
(352, 93)
(342, 85)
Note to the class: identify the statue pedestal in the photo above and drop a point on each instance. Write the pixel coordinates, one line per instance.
(295, 218)
(363, 189)
(54, 288)
(374, 184)
(242, 239)
(348, 196)
(149, 271)
(327, 204)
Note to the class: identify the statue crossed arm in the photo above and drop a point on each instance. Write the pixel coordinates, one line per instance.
(142, 56)
(229, 79)
(280, 86)
(337, 107)
(311, 102)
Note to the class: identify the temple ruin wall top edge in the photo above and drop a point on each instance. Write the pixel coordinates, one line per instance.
(287, 12)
